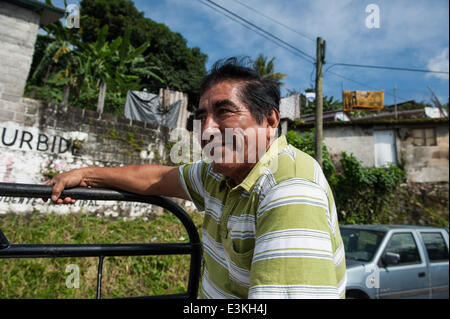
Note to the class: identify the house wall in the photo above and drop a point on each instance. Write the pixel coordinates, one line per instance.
(352, 140)
(426, 163)
(422, 164)
(18, 30)
(40, 143)
(39, 140)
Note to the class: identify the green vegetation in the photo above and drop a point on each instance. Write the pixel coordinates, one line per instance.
(122, 276)
(180, 67)
(267, 69)
(116, 45)
(362, 195)
(373, 195)
(129, 138)
(366, 195)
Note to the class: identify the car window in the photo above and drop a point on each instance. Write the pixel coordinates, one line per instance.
(361, 244)
(436, 248)
(405, 246)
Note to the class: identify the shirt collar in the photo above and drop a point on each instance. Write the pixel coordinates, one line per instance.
(263, 163)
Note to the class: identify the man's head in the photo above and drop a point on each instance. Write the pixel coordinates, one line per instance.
(234, 97)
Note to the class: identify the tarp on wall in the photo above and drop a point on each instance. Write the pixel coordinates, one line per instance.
(147, 107)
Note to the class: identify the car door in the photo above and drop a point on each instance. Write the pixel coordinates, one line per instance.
(408, 278)
(436, 246)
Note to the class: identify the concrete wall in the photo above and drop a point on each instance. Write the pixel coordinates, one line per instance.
(352, 140)
(422, 164)
(426, 163)
(41, 140)
(18, 30)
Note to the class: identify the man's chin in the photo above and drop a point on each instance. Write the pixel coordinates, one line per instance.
(223, 168)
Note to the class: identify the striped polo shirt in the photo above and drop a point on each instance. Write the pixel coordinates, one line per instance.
(275, 235)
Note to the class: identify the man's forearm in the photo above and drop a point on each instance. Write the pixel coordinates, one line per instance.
(144, 179)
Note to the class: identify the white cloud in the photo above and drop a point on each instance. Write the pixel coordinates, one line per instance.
(439, 63)
(411, 34)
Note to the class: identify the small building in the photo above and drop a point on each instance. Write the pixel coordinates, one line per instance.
(329, 116)
(289, 111)
(419, 146)
(19, 24)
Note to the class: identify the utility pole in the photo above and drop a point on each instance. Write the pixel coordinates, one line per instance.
(395, 101)
(320, 60)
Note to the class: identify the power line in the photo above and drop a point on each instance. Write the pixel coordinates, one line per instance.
(386, 68)
(254, 30)
(276, 21)
(304, 54)
(300, 53)
(340, 64)
(365, 85)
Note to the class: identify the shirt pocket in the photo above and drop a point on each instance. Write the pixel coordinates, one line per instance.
(239, 252)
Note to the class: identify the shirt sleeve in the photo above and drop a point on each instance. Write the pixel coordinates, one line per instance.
(295, 253)
(191, 177)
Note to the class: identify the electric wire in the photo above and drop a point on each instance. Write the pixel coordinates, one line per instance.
(300, 53)
(276, 21)
(304, 55)
(386, 68)
(254, 30)
(366, 85)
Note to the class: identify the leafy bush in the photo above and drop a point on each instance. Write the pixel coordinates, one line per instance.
(365, 195)
(305, 142)
(362, 195)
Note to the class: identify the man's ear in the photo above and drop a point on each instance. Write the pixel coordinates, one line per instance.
(273, 120)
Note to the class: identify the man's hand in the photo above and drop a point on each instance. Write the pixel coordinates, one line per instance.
(145, 179)
(66, 180)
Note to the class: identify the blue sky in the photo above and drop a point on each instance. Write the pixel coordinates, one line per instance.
(412, 34)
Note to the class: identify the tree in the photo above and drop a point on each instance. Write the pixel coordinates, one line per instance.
(86, 67)
(329, 104)
(267, 69)
(180, 67)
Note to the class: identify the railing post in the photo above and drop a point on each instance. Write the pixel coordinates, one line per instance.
(194, 247)
(99, 277)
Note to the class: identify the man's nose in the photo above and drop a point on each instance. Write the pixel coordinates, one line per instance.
(210, 129)
(210, 124)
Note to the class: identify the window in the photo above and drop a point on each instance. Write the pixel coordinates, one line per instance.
(436, 248)
(361, 244)
(405, 246)
(424, 137)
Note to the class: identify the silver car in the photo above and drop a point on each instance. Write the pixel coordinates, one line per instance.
(395, 261)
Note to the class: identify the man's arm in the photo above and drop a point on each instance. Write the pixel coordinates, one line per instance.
(144, 179)
(296, 253)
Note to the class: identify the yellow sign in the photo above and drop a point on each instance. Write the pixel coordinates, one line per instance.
(368, 100)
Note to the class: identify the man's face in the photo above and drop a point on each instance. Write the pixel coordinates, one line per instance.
(231, 135)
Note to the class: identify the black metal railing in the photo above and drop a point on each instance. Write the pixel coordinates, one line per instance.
(8, 250)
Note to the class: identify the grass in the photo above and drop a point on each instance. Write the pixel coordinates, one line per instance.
(122, 276)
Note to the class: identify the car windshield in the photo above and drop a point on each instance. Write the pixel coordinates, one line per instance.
(361, 244)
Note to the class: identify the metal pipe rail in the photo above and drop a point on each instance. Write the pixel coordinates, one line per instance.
(8, 250)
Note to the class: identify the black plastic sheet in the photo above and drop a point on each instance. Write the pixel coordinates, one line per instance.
(147, 107)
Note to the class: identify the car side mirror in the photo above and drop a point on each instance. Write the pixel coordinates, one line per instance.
(390, 259)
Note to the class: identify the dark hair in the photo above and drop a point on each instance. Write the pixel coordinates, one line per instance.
(258, 93)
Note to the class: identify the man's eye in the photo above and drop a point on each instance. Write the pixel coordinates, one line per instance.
(223, 111)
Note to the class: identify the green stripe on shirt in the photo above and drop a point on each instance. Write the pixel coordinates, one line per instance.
(275, 235)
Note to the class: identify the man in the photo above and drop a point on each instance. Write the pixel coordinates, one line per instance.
(270, 228)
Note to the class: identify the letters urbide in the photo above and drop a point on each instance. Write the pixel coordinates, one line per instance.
(22, 139)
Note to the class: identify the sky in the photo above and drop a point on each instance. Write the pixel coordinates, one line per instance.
(409, 34)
